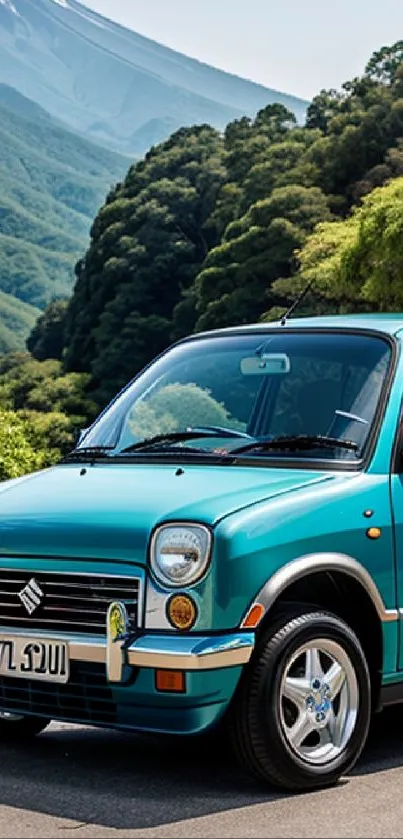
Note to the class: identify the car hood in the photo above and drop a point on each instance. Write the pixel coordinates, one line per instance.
(109, 510)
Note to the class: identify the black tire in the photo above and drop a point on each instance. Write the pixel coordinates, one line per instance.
(21, 729)
(257, 726)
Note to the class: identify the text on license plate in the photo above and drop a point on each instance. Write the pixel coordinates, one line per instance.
(27, 659)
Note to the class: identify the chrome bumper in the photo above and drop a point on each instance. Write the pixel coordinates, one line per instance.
(167, 652)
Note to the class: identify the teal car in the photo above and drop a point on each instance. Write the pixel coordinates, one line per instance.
(223, 549)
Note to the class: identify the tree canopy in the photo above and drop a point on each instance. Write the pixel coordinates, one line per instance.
(46, 339)
(17, 454)
(357, 264)
(48, 404)
(147, 245)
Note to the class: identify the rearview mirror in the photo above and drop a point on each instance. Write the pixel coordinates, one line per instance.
(267, 364)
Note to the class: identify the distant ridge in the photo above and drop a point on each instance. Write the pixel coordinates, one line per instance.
(52, 182)
(112, 84)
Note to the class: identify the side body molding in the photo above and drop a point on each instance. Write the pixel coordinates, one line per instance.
(312, 563)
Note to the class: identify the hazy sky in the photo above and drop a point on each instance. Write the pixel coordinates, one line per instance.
(297, 46)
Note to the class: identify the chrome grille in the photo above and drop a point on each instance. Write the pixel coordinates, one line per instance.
(71, 602)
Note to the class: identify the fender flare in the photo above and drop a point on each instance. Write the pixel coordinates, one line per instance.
(302, 567)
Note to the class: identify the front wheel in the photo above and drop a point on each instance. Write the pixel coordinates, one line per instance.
(301, 716)
(17, 729)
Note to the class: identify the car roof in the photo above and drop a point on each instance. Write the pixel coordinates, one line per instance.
(389, 324)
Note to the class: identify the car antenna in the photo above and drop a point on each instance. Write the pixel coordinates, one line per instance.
(296, 303)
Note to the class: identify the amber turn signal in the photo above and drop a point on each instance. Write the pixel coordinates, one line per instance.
(170, 681)
(181, 611)
(254, 616)
(374, 532)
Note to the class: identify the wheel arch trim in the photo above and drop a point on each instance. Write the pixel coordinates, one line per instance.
(309, 564)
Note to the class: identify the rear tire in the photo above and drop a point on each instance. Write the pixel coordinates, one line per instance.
(16, 729)
(301, 716)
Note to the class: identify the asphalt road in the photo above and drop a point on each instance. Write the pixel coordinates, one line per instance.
(80, 782)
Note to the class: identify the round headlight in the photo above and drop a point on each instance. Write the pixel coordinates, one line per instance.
(180, 554)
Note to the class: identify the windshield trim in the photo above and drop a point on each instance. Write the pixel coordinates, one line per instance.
(360, 464)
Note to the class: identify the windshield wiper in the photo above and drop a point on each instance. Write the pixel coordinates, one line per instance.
(221, 431)
(302, 442)
(163, 440)
(88, 453)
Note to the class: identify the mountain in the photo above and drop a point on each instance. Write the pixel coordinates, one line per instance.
(112, 84)
(16, 322)
(52, 182)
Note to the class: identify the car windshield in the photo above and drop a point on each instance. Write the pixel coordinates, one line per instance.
(252, 387)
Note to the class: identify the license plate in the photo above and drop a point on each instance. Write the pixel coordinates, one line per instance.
(22, 658)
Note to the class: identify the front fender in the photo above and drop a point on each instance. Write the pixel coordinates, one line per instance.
(273, 543)
(311, 564)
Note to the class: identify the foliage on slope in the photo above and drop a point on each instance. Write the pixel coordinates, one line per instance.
(51, 184)
(16, 321)
(45, 406)
(357, 264)
(148, 243)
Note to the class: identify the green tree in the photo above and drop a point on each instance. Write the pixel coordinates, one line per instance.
(47, 337)
(320, 264)
(247, 142)
(17, 455)
(384, 63)
(175, 407)
(53, 405)
(322, 109)
(280, 159)
(357, 264)
(358, 131)
(236, 281)
(50, 434)
(148, 243)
